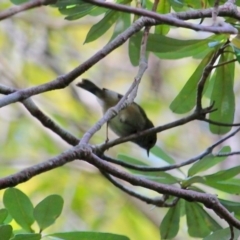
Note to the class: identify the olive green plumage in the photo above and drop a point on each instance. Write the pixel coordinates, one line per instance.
(129, 120)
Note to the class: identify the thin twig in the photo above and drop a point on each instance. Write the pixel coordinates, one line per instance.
(224, 63)
(231, 232)
(227, 154)
(177, 165)
(160, 202)
(221, 123)
(225, 138)
(206, 72)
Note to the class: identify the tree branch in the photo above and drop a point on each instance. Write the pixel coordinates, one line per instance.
(177, 19)
(174, 19)
(210, 201)
(177, 165)
(85, 152)
(65, 80)
(231, 232)
(30, 172)
(43, 118)
(23, 7)
(215, 11)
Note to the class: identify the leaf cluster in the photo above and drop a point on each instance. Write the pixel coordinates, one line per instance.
(18, 207)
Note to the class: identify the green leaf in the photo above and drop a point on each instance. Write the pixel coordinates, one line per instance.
(197, 189)
(161, 177)
(48, 210)
(230, 186)
(131, 160)
(208, 162)
(194, 4)
(177, 3)
(231, 207)
(28, 236)
(224, 174)
(20, 207)
(123, 22)
(223, 234)
(209, 86)
(212, 2)
(88, 236)
(158, 152)
(102, 26)
(97, 11)
(77, 12)
(170, 48)
(18, 2)
(167, 45)
(163, 7)
(191, 180)
(200, 223)
(170, 224)
(186, 99)
(223, 94)
(237, 53)
(133, 51)
(198, 49)
(3, 214)
(75, 9)
(235, 42)
(5, 232)
(68, 3)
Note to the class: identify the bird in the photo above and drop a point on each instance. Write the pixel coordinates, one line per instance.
(129, 120)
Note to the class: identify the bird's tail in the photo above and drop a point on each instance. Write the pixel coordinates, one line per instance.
(90, 87)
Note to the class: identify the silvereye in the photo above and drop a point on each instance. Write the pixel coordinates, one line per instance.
(129, 120)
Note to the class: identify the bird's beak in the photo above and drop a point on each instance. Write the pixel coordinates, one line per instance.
(148, 150)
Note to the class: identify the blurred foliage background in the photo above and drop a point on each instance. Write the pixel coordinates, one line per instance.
(37, 46)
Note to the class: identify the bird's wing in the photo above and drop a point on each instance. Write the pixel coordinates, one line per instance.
(133, 117)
